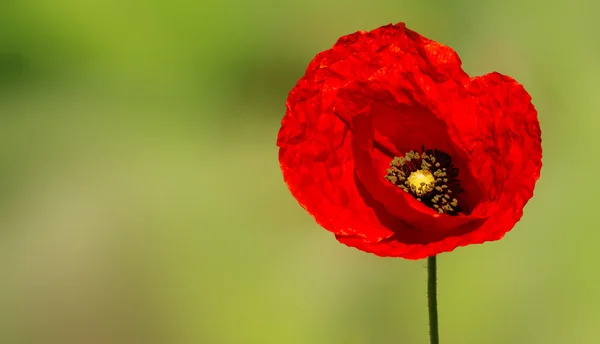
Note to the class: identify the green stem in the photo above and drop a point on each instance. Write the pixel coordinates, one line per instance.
(432, 300)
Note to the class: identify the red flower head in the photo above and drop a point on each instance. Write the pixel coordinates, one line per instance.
(392, 147)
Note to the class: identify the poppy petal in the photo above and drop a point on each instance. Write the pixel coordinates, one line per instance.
(316, 160)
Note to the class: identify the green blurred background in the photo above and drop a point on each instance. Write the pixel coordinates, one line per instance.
(141, 199)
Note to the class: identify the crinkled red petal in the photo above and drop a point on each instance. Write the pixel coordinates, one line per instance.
(508, 158)
(316, 159)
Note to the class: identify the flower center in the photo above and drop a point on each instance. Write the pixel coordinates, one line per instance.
(421, 182)
(430, 177)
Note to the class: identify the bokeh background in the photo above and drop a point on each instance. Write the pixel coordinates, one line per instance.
(141, 199)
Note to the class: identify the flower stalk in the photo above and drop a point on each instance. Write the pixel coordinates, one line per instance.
(432, 300)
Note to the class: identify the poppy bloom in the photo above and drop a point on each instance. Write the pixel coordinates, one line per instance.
(393, 148)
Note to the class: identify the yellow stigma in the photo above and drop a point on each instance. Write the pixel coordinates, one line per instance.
(421, 182)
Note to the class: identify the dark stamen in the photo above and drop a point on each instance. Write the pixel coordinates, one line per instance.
(430, 177)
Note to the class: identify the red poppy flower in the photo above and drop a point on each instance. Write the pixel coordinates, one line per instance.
(392, 147)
